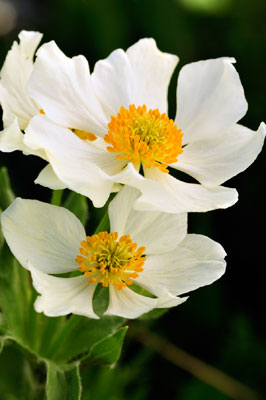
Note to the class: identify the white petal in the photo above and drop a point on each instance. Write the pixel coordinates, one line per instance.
(196, 262)
(63, 87)
(14, 78)
(210, 99)
(214, 161)
(168, 300)
(159, 232)
(62, 296)
(128, 304)
(161, 191)
(73, 160)
(120, 208)
(11, 139)
(42, 235)
(138, 76)
(48, 178)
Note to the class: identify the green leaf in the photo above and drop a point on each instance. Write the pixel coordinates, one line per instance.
(63, 383)
(108, 350)
(1, 234)
(31, 330)
(79, 335)
(15, 293)
(3, 331)
(78, 204)
(20, 379)
(6, 193)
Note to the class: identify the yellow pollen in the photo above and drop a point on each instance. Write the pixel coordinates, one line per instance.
(106, 259)
(84, 135)
(42, 112)
(144, 137)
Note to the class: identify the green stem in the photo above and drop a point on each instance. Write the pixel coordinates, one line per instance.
(6, 194)
(57, 197)
(199, 369)
(104, 224)
(62, 335)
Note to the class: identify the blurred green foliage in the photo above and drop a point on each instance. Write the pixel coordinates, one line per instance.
(223, 324)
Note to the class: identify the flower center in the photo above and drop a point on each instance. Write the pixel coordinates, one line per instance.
(144, 137)
(108, 260)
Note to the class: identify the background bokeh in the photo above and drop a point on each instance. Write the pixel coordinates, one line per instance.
(223, 324)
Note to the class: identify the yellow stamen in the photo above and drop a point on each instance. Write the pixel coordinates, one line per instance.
(109, 260)
(84, 135)
(144, 137)
(42, 112)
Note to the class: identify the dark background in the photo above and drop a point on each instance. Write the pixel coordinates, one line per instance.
(223, 324)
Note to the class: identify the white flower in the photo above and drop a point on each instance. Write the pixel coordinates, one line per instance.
(18, 107)
(50, 240)
(103, 133)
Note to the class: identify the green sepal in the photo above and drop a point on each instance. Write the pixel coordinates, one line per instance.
(63, 382)
(77, 204)
(155, 313)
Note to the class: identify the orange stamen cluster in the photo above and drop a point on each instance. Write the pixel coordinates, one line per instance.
(144, 137)
(108, 260)
(84, 135)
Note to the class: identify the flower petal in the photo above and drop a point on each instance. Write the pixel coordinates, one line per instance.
(42, 235)
(128, 304)
(63, 87)
(161, 191)
(73, 160)
(14, 75)
(196, 262)
(62, 296)
(210, 99)
(48, 178)
(159, 232)
(140, 75)
(214, 161)
(11, 139)
(167, 300)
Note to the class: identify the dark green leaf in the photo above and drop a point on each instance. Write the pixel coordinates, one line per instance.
(63, 383)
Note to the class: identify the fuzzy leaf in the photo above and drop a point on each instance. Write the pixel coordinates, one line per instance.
(63, 382)
(108, 350)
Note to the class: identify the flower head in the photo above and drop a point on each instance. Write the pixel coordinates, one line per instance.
(111, 127)
(148, 250)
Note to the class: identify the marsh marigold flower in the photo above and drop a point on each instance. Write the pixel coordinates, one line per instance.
(149, 250)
